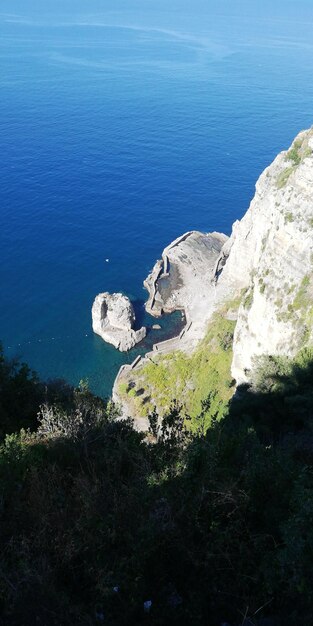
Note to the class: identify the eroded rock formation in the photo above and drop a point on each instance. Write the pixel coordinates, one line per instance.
(113, 318)
(182, 279)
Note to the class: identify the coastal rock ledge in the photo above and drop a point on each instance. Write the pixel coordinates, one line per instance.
(113, 318)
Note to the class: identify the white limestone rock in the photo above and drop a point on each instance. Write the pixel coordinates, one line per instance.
(113, 318)
(269, 258)
(182, 279)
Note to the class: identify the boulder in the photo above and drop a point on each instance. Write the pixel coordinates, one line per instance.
(113, 318)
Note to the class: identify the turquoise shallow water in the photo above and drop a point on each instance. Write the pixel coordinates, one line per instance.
(121, 128)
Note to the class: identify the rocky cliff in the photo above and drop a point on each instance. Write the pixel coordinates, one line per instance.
(269, 256)
(266, 263)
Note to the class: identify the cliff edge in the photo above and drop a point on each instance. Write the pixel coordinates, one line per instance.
(269, 256)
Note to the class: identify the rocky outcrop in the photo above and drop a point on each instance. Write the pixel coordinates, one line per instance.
(113, 318)
(182, 279)
(184, 273)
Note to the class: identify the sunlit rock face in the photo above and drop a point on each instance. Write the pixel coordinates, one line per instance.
(269, 258)
(113, 318)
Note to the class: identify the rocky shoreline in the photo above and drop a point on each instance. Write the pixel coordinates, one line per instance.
(266, 265)
(183, 279)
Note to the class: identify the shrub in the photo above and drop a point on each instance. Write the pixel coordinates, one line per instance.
(212, 525)
(283, 177)
(247, 302)
(293, 153)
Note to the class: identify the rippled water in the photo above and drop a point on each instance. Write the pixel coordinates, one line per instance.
(120, 129)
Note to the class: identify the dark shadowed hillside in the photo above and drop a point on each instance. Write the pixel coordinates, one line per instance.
(212, 527)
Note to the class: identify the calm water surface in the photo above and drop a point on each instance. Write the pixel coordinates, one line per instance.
(122, 126)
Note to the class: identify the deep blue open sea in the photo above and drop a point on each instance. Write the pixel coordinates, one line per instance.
(122, 125)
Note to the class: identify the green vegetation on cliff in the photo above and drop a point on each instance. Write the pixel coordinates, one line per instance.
(299, 310)
(298, 151)
(187, 379)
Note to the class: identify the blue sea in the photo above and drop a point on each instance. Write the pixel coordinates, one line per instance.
(122, 125)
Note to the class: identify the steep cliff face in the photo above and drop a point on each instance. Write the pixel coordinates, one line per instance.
(269, 257)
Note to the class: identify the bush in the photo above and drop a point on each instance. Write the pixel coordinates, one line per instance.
(210, 525)
(20, 396)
